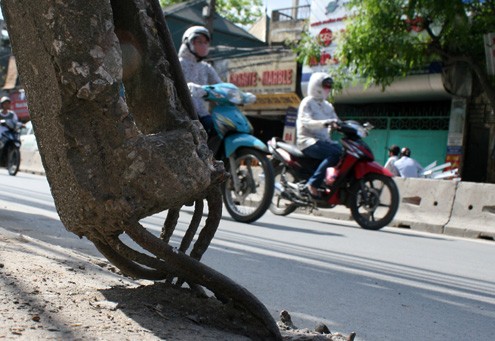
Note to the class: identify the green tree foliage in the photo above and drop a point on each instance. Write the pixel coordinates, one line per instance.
(387, 39)
(241, 12)
(308, 48)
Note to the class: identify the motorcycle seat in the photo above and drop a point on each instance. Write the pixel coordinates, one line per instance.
(290, 148)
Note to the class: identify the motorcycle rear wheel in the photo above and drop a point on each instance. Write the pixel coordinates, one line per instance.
(255, 174)
(279, 205)
(13, 160)
(374, 201)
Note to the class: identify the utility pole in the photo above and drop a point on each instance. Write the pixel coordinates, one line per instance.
(209, 15)
(295, 8)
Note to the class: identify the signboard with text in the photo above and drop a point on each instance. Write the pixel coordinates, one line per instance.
(19, 105)
(272, 78)
(289, 134)
(327, 19)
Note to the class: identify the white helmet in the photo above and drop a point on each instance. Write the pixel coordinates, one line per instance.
(318, 82)
(5, 99)
(193, 32)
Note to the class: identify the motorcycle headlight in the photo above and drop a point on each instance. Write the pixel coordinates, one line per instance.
(235, 96)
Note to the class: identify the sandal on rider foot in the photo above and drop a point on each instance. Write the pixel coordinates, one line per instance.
(313, 191)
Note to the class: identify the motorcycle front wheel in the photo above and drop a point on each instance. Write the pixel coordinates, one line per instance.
(374, 200)
(13, 160)
(280, 205)
(252, 198)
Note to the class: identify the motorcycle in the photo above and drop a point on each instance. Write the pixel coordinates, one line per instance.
(248, 191)
(10, 144)
(357, 181)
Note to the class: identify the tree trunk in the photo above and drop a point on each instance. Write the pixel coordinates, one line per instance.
(106, 161)
(113, 121)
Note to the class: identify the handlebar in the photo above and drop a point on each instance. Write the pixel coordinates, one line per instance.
(333, 124)
(18, 125)
(351, 127)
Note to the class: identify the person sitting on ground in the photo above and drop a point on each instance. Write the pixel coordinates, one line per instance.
(393, 155)
(194, 49)
(315, 115)
(407, 166)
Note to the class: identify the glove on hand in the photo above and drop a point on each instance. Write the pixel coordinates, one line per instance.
(329, 123)
(196, 90)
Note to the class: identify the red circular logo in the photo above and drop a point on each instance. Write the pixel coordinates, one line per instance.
(325, 36)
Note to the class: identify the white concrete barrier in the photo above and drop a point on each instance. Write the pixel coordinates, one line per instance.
(31, 161)
(462, 209)
(425, 204)
(473, 213)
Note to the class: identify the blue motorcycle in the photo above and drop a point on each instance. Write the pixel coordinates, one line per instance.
(248, 192)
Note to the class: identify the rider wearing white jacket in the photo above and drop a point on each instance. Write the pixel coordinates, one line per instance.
(314, 116)
(9, 117)
(197, 72)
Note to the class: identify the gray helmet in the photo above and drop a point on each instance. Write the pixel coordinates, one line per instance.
(195, 31)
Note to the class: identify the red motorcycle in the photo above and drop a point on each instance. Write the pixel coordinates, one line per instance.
(358, 182)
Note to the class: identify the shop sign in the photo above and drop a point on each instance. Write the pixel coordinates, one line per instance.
(267, 74)
(274, 102)
(334, 13)
(325, 36)
(456, 132)
(454, 156)
(272, 78)
(19, 105)
(290, 125)
(325, 25)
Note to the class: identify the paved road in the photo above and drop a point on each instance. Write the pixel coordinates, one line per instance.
(392, 284)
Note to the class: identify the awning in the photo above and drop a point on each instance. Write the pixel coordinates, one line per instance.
(181, 16)
(11, 78)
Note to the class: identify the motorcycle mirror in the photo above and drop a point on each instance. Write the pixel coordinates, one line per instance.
(249, 98)
(368, 126)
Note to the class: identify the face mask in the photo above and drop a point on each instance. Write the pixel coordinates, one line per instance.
(326, 92)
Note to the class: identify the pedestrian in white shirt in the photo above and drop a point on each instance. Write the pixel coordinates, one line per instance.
(393, 153)
(407, 166)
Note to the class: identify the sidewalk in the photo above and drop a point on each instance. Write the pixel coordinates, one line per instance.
(50, 292)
